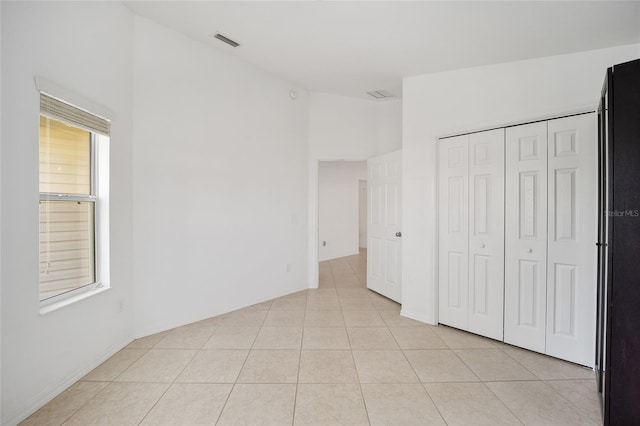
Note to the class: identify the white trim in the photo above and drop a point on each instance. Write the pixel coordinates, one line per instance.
(518, 120)
(343, 254)
(165, 326)
(435, 312)
(314, 216)
(84, 294)
(55, 91)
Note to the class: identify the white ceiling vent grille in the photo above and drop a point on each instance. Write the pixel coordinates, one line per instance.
(381, 94)
(227, 40)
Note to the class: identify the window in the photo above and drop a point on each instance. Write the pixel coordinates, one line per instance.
(70, 197)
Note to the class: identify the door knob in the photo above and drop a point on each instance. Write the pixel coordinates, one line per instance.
(398, 234)
(482, 246)
(529, 251)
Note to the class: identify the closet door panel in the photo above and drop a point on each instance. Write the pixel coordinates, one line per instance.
(526, 236)
(486, 233)
(453, 231)
(572, 218)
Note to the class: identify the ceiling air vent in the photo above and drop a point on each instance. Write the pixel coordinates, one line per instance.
(381, 94)
(226, 40)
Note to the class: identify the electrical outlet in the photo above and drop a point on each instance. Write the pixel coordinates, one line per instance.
(121, 305)
(288, 267)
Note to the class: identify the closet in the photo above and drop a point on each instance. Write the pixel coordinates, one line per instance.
(517, 227)
(471, 237)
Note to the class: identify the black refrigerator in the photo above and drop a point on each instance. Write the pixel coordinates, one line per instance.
(618, 246)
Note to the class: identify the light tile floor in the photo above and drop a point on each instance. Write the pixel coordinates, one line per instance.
(339, 354)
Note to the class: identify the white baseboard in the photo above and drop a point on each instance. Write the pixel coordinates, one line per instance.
(158, 328)
(46, 395)
(343, 254)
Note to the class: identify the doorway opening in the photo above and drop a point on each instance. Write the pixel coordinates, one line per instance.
(342, 224)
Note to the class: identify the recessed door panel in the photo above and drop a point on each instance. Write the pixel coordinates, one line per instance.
(376, 200)
(455, 197)
(572, 234)
(564, 221)
(528, 283)
(564, 299)
(456, 279)
(525, 236)
(392, 259)
(391, 204)
(374, 254)
(481, 266)
(482, 204)
(528, 148)
(528, 204)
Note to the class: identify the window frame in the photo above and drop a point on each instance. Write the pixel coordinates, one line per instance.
(100, 143)
(91, 198)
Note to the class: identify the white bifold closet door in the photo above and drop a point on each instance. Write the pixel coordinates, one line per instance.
(572, 233)
(526, 236)
(551, 225)
(471, 232)
(453, 235)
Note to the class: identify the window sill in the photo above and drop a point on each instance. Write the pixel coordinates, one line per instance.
(71, 300)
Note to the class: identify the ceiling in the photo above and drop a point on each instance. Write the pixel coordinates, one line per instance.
(350, 48)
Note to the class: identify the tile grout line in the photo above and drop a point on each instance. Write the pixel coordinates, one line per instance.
(233, 385)
(418, 376)
(109, 382)
(177, 375)
(355, 366)
(78, 409)
(502, 402)
(359, 383)
(487, 387)
(295, 395)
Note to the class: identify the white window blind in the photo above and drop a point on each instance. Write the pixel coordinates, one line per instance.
(59, 110)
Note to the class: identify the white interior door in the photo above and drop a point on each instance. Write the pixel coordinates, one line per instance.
(486, 233)
(572, 233)
(526, 236)
(384, 225)
(453, 235)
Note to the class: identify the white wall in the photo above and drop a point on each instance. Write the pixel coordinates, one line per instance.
(220, 181)
(448, 103)
(362, 213)
(389, 134)
(342, 127)
(339, 207)
(85, 47)
(345, 128)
